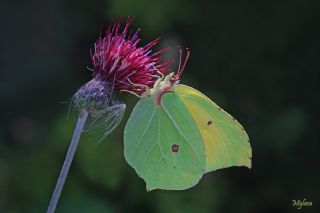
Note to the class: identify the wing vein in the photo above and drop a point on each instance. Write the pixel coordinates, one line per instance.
(179, 130)
(144, 132)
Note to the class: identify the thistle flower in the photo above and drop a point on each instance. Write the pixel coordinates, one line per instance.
(118, 59)
(119, 64)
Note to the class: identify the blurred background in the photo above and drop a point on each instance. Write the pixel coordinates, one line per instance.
(259, 60)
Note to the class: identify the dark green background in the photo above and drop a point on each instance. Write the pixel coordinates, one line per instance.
(259, 60)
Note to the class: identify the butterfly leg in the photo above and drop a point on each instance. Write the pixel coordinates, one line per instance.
(158, 71)
(132, 93)
(147, 89)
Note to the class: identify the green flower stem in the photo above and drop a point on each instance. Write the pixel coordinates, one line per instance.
(67, 162)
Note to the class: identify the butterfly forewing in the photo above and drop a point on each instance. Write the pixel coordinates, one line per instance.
(225, 140)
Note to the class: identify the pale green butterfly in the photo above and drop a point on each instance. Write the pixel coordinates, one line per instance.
(176, 134)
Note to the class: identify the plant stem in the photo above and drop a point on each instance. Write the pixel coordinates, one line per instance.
(67, 162)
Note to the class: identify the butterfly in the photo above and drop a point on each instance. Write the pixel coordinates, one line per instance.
(176, 134)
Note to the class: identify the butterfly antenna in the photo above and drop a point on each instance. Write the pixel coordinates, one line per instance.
(180, 57)
(185, 61)
(181, 68)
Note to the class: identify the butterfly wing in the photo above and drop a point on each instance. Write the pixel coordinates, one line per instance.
(163, 144)
(225, 140)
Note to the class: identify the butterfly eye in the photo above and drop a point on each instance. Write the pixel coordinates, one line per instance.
(209, 123)
(175, 148)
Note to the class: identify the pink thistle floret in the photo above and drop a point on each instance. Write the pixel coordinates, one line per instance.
(118, 59)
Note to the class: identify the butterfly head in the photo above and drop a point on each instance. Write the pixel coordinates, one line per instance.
(165, 83)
